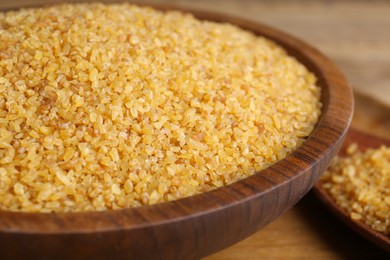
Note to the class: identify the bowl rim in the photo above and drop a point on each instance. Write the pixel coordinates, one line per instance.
(335, 119)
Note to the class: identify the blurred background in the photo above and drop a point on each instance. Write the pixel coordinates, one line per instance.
(355, 34)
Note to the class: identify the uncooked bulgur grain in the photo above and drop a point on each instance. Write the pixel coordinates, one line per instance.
(114, 106)
(360, 184)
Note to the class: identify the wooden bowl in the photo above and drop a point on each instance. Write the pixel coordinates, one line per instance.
(196, 226)
(365, 141)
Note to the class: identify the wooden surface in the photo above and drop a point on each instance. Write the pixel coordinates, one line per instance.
(354, 34)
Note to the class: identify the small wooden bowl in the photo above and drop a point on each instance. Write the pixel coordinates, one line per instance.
(365, 141)
(196, 226)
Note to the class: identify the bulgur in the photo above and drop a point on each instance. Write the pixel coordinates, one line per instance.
(360, 184)
(115, 106)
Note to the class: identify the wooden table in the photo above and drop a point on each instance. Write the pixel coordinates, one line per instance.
(356, 35)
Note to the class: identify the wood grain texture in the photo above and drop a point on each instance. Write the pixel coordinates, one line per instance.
(365, 141)
(194, 227)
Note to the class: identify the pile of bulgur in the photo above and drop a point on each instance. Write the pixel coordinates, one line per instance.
(360, 184)
(114, 106)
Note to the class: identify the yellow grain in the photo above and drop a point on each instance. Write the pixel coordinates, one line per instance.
(105, 106)
(360, 183)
